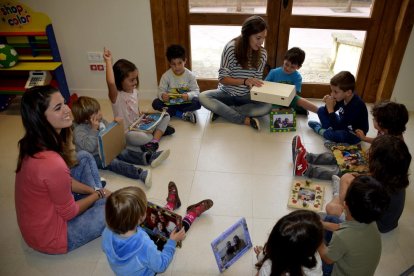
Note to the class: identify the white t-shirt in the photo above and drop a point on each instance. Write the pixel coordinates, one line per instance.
(126, 107)
(266, 268)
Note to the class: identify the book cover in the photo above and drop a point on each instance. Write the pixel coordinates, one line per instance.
(350, 158)
(147, 122)
(282, 120)
(111, 141)
(175, 95)
(305, 194)
(159, 224)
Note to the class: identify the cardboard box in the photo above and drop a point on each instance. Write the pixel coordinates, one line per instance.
(111, 141)
(274, 93)
(282, 120)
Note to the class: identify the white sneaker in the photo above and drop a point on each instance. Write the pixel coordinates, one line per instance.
(190, 116)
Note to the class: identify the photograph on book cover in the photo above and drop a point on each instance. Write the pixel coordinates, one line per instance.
(160, 222)
(282, 120)
(231, 244)
(306, 194)
(350, 158)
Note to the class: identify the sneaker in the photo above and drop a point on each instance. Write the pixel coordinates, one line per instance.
(300, 164)
(316, 126)
(157, 157)
(200, 207)
(213, 116)
(173, 195)
(103, 182)
(254, 123)
(297, 146)
(150, 147)
(336, 180)
(169, 131)
(146, 177)
(190, 116)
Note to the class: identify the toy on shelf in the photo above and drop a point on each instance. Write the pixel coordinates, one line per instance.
(8, 56)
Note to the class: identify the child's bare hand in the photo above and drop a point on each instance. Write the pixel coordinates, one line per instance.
(95, 121)
(165, 97)
(178, 236)
(107, 55)
(360, 134)
(184, 96)
(330, 103)
(258, 249)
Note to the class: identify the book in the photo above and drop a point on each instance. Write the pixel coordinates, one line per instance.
(111, 141)
(159, 224)
(306, 194)
(147, 122)
(175, 95)
(350, 158)
(282, 119)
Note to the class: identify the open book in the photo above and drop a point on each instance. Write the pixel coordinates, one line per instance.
(159, 224)
(175, 95)
(350, 158)
(306, 194)
(147, 122)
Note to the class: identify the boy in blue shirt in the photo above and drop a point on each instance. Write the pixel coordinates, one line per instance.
(344, 112)
(287, 73)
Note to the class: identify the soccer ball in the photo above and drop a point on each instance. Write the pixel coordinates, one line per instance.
(8, 56)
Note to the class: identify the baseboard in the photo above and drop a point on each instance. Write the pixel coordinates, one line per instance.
(103, 94)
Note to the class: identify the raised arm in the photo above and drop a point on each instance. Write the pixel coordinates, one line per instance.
(110, 79)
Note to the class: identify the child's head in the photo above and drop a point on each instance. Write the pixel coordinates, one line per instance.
(176, 58)
(125, 209)
(342, 85)
(366, 199)
(84, 108)
(293, 242)
(126, 75)
(293, 60)
(389, 161)
(390, 117)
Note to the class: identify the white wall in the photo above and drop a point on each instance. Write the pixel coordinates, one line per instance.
(83, 26)
(403, 89)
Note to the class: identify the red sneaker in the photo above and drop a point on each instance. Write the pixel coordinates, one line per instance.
(200, 207)
(297, 145)
(173, 195)
(300, 164)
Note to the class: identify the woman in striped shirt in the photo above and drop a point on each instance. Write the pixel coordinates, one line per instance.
(242, 63)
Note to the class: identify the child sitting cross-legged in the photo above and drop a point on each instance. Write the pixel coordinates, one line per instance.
(128, 248)
(89, 122)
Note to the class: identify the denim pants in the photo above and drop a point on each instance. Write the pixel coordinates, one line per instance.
(327, 268)
(324, 173)
(86, 226)
(157, 104)
(235, 109)
(86, 171)
(338, 135)
(123, 163)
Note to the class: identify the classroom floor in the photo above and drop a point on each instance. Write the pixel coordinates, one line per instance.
(246, 173)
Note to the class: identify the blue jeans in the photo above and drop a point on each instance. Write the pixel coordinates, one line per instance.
(335, 135)
(327, 268)
(86, 226)
(157, 104)
(86, 171)
(233, 108)
(122, 164)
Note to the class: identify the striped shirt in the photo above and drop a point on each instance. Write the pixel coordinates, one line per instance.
(229, 67)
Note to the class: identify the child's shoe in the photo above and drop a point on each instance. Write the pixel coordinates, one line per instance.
(190, 116)
(336, 180)
(199, 208)
(156, 158)
(316, 126)
(300, 164)
(173, 199)
(150, 147)
(103, 182)
(213, 116)
(297, 146)
(254, 123)
(146, 177)
(169, 131)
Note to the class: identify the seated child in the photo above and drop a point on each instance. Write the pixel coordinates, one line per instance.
(352, 112)
(128, 248)
(388, 117)
(287, 73)
(355, 247)
(292, 246)
(89, 122)
(178, 83)
(122, 81)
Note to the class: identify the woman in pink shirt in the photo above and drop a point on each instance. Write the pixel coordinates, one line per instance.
(49, 218)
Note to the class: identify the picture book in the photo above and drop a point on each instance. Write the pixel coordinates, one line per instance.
(159, 224)
(175, 95)
(282, 120)
(231, 244)
(350, 158)
(147, 122)
(111, 141)
(306, 194)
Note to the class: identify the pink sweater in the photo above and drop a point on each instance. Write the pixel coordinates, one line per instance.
(44, 202)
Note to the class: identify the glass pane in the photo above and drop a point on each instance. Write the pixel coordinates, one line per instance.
(228, 6)
(327, 52)
(349, 8)
(207, 43)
